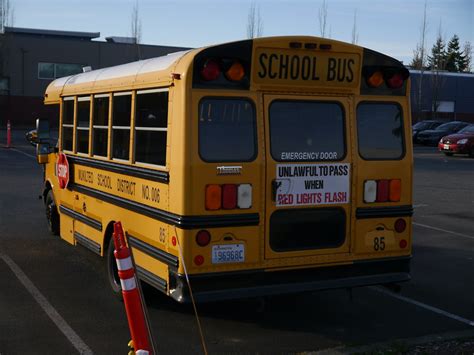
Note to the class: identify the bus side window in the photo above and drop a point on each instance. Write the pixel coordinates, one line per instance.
(151, 127)
(67, 123)
(83, 119)
(121, 113)
(100, 125)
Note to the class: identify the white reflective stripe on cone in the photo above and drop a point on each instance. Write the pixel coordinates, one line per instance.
(141, 352)
(124, 264)
(128, 284)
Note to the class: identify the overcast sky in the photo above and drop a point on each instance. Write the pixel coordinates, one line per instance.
(389, 26)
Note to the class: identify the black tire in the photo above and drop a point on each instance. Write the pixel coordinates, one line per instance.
(448, 154)
(52, 215)
(112, 271)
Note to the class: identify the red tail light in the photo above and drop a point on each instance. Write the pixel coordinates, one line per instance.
(229, 196)
(382, 190)
(403, 244)
(395, 81)
(199, 260)
(203, 238)
(400, 225)
(211, 70)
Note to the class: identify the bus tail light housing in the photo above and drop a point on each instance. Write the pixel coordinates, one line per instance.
(382, 190)
(228, 196)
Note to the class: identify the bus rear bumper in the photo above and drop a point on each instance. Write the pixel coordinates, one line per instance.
(224, 286)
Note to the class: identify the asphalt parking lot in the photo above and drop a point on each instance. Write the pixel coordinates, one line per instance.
(55, 297)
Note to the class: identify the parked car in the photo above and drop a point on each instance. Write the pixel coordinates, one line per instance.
(432, 136)
(32, 137)
(423, 126)
(459, 143)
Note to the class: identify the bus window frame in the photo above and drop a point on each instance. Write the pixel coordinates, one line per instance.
(68, 125)
(130, 93)
(314, 99)
(255, 138)
(107, 128)
(153, 129)
(77, 129)
(376, 102)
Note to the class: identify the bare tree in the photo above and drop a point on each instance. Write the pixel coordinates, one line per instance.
(420, 52)
(323, 17)
(6, 14)
(254, 21)
(355, 34)
(136, 27)
(468, 54)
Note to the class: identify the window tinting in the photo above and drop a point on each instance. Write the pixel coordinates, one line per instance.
(306, 131)
(83, 120)
(121, 112)
(227, 130)
(68, 111)
(151, 125)
(380, 131)
(67, 138)
(100, 126)
(68, 124)
(121, 147)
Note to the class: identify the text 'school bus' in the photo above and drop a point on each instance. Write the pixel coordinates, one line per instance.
(260, 167)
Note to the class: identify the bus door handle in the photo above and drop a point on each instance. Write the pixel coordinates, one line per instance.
(275, 185)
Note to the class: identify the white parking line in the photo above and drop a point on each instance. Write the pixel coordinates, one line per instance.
(19, 151)
(423, 305)
(443, 230)
(75, 340)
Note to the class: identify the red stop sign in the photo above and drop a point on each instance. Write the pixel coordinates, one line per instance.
(62, 170)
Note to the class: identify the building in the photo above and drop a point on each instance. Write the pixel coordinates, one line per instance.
(444, 95)
(31, 58)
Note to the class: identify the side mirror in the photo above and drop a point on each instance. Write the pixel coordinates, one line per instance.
(42, 130)
(42, 140)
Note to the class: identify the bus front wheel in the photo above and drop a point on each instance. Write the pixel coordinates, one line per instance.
(112, 271)
(52, 215)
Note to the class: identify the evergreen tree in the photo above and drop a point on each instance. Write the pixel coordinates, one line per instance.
(437, 60)
(455, 60)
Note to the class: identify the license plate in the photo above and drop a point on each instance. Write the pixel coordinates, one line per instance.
(446, 146)
(228, 253)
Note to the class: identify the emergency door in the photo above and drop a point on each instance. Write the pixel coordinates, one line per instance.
(308, 176)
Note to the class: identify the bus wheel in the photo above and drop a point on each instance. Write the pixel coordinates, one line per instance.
(52, 214)
(112, 271)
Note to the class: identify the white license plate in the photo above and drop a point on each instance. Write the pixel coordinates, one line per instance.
(446, 146)
(228, 253)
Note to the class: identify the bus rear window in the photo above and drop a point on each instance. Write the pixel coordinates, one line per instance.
(227, 130)
(306, 131)
(380, 131)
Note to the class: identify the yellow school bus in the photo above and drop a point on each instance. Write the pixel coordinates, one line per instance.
(258, 167)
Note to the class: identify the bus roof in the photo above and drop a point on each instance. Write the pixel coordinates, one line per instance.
(103, 79)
